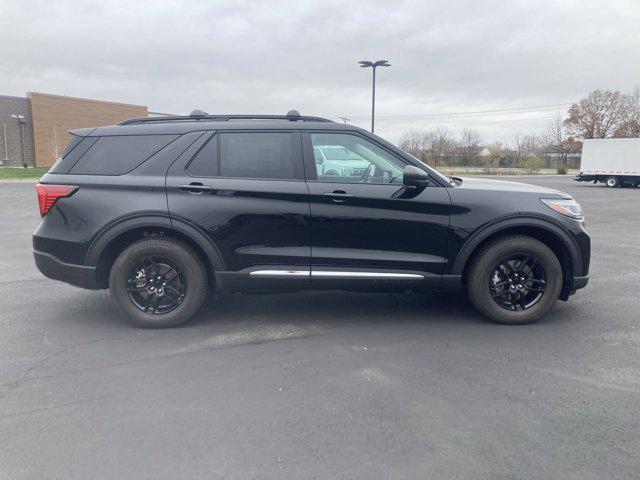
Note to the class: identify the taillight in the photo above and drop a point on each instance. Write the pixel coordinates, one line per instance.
(49, 194)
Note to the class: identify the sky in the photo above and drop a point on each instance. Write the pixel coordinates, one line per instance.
(454, 63)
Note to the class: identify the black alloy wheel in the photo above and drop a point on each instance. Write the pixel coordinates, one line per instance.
(158, 282)
(156, 285)
(514, 279)
(518, 282)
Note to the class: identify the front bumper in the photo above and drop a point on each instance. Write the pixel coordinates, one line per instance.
(77, 275)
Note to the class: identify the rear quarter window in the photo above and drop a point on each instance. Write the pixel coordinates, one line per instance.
(118, 155)
(75, 149)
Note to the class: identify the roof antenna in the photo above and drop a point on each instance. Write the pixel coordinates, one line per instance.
(293, 113)
(198, 113)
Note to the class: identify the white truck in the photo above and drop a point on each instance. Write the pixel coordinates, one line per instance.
(612, 161)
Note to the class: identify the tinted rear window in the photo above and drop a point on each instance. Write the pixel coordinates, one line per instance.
(75, 140)
(258, 155)
(76, 147)
(205, 163)
(119, 155)
(268, 155)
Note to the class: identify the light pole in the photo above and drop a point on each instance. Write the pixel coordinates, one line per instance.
(21, 121)
(374, 65)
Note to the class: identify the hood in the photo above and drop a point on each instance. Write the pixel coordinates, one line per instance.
(504, 185)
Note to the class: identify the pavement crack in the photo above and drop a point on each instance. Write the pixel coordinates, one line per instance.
(11, 386)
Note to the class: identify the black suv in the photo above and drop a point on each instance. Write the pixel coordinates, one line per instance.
(163, 210)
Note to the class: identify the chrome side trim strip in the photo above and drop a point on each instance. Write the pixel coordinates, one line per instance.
(322, 273)
(280, 273)
(334, 274)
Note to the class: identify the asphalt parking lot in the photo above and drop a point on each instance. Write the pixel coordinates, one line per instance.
(324, 384)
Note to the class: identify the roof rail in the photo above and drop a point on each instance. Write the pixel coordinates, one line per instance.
(199, 116)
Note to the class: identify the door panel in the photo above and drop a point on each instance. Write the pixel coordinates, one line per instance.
(252, 222)
(364, 219)
(377, 229)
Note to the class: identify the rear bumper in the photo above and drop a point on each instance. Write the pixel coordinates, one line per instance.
(77, 275)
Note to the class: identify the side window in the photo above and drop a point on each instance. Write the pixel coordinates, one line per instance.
(120, 154)
(348, 158)
(205, 163)
(268, 155)
(76, 148)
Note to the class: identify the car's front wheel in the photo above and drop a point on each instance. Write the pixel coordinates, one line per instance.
(158, 282)
(514, 280)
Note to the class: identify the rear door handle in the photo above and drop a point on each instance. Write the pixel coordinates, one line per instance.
(338, 196)
(196, 187)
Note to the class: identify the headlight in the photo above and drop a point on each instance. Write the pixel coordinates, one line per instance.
(569, 208)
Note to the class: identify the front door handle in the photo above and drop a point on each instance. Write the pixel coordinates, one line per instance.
(196, 187)
(338, 196)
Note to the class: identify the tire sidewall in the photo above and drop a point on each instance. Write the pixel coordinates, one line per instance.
(480, 293)
(183, 257)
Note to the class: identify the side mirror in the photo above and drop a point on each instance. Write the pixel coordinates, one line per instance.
(415, 177)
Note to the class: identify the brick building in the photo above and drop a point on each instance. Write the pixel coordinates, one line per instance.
(34, 130)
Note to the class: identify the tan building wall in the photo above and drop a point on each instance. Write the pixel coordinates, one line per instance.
(54, 115)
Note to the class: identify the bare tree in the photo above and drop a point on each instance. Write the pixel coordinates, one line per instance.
(634, 111)
(414, 142)
(598, 115)
(528, 144)
(440, 144)
(556, 136)
(532, 145)
(469, 145)
(430, 146)
(631, 126)
(516, 146)
(497, 154)
(54, 147)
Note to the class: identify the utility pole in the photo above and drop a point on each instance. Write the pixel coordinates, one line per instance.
(373, 65)
(345, 119)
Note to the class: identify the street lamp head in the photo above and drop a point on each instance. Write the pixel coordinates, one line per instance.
(377, 63)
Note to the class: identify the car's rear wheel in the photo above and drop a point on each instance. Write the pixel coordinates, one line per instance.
(158, 282)
(514, 280)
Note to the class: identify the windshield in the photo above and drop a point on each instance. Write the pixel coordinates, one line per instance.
(336, 152)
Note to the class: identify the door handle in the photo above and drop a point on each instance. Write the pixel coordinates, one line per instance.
(338, 196)
(196, 187)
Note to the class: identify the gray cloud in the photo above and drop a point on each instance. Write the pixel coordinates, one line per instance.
(258, 57)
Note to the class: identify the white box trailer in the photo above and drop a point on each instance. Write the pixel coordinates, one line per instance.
(612, 161)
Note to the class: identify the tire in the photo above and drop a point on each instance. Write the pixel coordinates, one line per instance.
(482, 270)
(612, 182)
(188, 285)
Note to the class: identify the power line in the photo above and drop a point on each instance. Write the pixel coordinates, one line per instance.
(472, 113)
(398, 128)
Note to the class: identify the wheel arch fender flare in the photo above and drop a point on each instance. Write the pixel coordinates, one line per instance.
(113, 230)
(504, 225)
